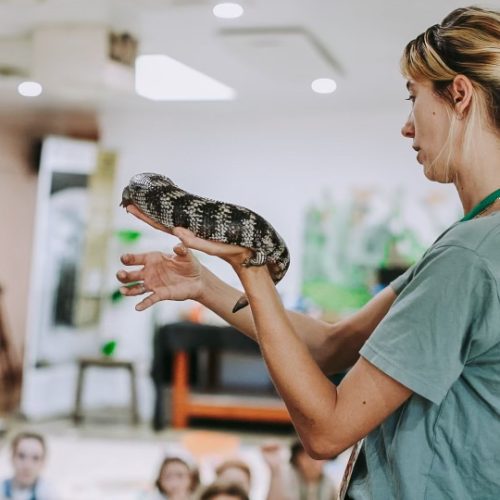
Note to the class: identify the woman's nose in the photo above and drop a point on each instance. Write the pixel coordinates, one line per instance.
(408, 129)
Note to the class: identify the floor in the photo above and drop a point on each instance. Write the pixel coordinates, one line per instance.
(105, 457)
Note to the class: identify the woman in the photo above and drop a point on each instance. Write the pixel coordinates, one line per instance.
(423, 386)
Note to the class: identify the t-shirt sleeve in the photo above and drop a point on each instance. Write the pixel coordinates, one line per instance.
(424, 340)
(402, 280)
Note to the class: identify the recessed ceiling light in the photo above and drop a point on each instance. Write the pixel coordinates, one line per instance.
(29, 89)
(162, 78)
(324, 85)
(228, 10)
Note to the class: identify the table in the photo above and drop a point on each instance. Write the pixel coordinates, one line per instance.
(175, 348)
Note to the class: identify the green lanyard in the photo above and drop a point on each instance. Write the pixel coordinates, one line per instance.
(482, 205)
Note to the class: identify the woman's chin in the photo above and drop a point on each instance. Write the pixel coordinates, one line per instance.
(437, 173)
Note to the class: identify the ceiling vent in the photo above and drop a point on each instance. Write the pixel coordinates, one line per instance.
(288, 53)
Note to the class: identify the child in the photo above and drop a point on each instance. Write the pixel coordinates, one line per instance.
(176, 480)
(29, 452)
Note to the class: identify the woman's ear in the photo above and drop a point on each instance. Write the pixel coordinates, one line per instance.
(461, 91)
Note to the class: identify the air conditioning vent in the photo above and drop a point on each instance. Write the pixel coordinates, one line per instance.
(289, 53)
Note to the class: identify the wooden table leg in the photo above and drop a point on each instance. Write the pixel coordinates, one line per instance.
(133, 393)
(77, 415)
(180, 389)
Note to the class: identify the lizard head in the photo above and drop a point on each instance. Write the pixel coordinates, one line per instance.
(143, 186)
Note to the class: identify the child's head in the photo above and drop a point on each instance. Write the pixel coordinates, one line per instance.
(235, 471)
(224, 491)
(176, 478)
(28, 457)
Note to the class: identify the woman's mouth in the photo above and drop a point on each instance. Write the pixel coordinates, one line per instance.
(417, 149)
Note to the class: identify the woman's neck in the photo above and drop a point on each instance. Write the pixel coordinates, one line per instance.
(479, 175)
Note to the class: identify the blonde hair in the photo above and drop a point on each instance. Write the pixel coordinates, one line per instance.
(467, 42)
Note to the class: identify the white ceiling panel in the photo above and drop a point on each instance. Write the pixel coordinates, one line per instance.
(286, 54)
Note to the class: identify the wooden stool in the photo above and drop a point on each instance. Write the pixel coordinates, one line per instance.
(102, 362)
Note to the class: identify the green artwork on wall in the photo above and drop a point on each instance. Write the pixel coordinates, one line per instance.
(348, 245)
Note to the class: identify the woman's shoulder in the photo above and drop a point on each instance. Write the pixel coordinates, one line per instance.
(469, 240)
(472, 246)
(475, 234)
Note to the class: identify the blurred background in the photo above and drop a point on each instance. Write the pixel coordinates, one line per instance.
(291, 108)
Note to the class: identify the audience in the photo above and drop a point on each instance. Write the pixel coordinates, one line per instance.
(235, 471)
(223, 491)
(29, 453)
(302, 478)
(298, 477)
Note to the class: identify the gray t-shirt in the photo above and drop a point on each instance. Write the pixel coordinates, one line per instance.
(441, 339)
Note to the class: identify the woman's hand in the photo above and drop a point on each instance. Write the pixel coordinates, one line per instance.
(177, 276)
(233, 254)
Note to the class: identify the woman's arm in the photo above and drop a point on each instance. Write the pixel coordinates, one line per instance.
(295, 348)
(334, 347)
(179, 276)
(329, 419)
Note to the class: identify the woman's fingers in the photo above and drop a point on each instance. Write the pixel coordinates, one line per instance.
(181, 250)
(187, 237)
(147, 302)
(209, 247)
(129, 276)
(132, 209)
(133, 289)
(133, 259)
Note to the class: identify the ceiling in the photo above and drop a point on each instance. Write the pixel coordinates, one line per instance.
(269, 56)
